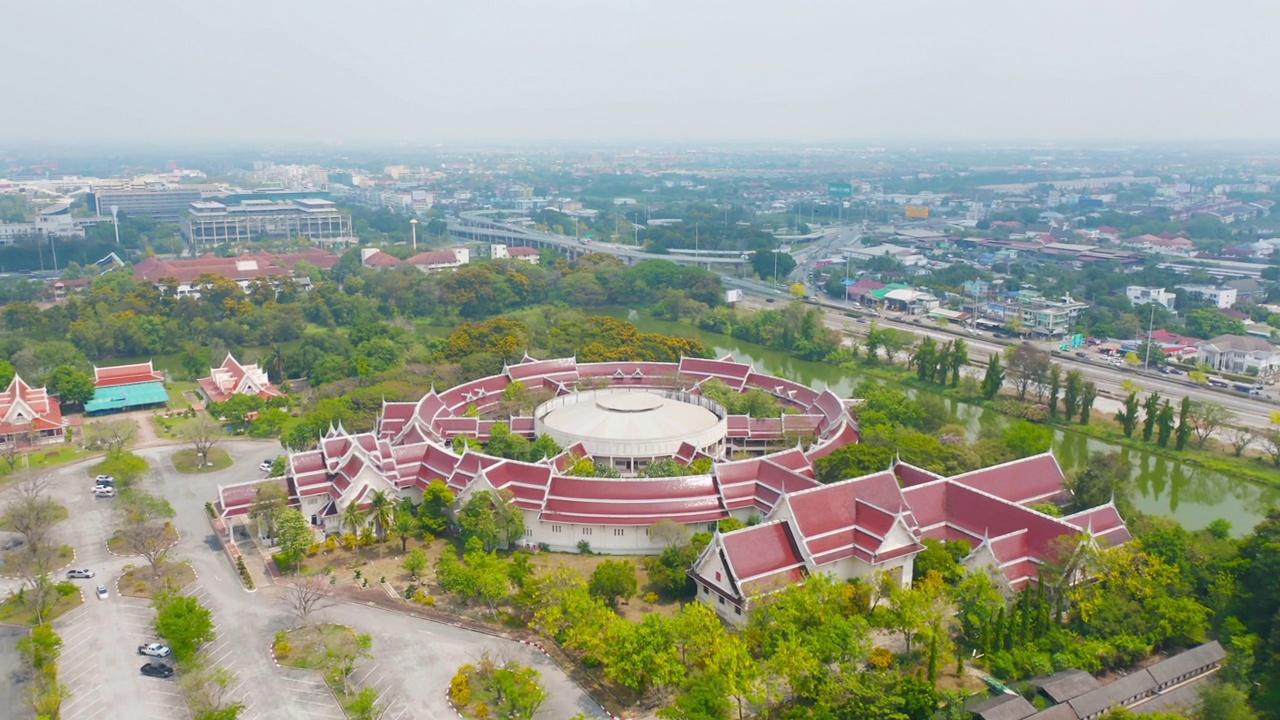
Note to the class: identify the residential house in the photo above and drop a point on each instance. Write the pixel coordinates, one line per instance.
(29, 415)
(234, 378)
(1240, 354)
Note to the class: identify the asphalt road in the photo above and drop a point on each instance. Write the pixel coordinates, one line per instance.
(413, 658)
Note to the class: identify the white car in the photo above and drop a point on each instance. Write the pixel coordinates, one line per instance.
(266, 465)
(154, 650)
(104, 491)
(102, 592)
(104, 480)
(80, 573)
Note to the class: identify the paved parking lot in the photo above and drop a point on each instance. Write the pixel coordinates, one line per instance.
(13, 672)
(414, 659)
(99, 663)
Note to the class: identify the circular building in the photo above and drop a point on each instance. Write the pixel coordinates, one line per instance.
(630, 428)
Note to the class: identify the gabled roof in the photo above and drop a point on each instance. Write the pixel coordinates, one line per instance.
(125, 375)
(23, 407)
(764, 557)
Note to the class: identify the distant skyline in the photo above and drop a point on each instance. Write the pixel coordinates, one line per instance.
(394, 71)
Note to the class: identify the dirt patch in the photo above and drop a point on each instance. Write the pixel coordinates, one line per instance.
(141, 582)
(364, 568)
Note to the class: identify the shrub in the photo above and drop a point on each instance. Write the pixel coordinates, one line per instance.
(313, 549)
(881, 658)
(330, 543)
(650, 597)
(584, 547)
(424, 599)
(349, 541)
(460, 686)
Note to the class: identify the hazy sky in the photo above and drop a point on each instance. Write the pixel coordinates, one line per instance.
(468, 70)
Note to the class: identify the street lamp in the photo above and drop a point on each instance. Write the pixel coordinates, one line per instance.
(413, 225)
(115, 219)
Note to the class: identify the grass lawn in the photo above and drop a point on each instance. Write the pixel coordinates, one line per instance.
(176, 390)
(140, 582)
(186, 461)
(44, 458)
(306, 647)
(13, 611)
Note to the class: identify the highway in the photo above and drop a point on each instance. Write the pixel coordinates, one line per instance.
(1252, 411)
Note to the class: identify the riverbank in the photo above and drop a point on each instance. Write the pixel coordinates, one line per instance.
(1165, 481)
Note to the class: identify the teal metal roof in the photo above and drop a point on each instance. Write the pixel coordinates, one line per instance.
(121, 397)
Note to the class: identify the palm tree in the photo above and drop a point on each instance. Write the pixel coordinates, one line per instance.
(382, 511)
(353, 518)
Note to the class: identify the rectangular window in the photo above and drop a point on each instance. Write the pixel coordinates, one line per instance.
(717, 576)
(721, 600)
(619, 532)
(555, 528)
(528, 532)
(586, 531)
(737, 611)
(646, 532)
(706, 590)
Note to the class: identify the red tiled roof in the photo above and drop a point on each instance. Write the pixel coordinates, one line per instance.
(1030, 479)
(125, 375)
(20, 397)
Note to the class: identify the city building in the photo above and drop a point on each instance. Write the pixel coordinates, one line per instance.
(234, 378)
(126, 387)
(208, 222)
(1035, 314)
(1221, 297)
(527, 254)
(628, 414)
(1139, 295)
(1240, 354)
(161, 203)
(181, 275)
(28, 416)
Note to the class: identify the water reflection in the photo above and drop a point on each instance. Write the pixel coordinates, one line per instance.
(1193, 496)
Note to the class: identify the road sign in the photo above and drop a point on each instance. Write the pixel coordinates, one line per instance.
(840, 189)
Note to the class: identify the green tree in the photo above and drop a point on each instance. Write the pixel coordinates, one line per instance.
(352, 518)
(382, 512)
(1164, 424)
(433, 513)
(294, 535)
(1025, 439)
(957, 359)
(1183, 432)
(491, 517)
(1151, 410)
(184, 623)
(1105, 476)
(72, 386)
(613, 580)
(415, 562)
(1128, 415)
(1207, 418)
(1055, 387)
(1071, 394)
(994, 377)
(925, 359)
(1088, 394)
(1222, 701)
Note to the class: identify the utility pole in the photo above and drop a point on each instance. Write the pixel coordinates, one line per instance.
(115, 220)
(413, 225)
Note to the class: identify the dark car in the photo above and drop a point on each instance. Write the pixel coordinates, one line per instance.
(13, 543)
(157, 670)
(1082, 355)
(999, 336)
